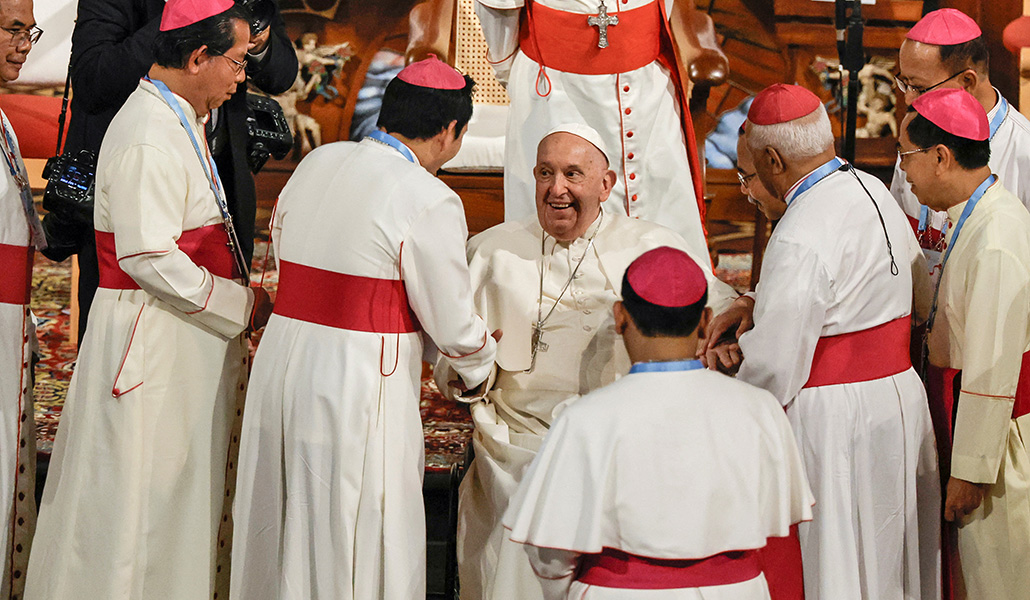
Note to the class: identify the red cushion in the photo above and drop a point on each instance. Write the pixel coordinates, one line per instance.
(34, 119)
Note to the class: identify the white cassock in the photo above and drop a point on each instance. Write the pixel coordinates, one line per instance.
(17, 422)
(370, 249)
(983, 329)
(676, 465)
(583, 352)
(831, 342)
(635, 111)
(1010, 161)
(136, 499)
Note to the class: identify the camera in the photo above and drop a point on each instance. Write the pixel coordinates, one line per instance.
(261, 14)
(69, 190)
(268, 133)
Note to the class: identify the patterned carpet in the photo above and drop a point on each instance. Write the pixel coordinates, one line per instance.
(447, 425)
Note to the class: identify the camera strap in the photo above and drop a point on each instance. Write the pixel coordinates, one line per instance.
(211, 171)
(17, 169)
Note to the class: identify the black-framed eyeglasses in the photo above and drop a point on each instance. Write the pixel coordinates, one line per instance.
(745, 180)
(238, 66)
(908, 87)
(20, 36)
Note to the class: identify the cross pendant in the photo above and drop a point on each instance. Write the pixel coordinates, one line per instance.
(602, 21)
(538, 345)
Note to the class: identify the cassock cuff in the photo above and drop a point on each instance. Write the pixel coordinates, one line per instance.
(228, 307)
(981, 431)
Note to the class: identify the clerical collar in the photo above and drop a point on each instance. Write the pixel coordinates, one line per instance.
(666, 366)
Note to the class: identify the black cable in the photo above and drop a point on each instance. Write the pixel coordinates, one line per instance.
(890, 249)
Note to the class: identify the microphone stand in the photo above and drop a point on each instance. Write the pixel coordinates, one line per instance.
(851, 53)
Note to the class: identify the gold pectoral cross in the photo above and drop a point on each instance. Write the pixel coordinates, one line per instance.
(601, 22)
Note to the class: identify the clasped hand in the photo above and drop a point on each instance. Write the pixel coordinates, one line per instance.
(719, 350)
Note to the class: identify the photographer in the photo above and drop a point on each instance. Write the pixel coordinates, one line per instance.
(112, 48)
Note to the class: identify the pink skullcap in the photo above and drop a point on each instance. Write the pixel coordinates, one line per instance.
(433, 73)
(944, 27)
(667, 277)
(955, 111)
(180, 13)
(780, 103)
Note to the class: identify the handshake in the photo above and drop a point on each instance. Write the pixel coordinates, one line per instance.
(718, 349)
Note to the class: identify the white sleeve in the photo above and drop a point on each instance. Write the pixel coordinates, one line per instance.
(554, 569)
(792, 298)
(500, 21)
(436, 278)
(147, 205)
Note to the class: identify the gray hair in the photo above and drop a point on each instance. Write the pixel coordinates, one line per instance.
(799, 139)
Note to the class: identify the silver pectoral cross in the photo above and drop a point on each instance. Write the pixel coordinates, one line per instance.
(601, 22)
(538, 345)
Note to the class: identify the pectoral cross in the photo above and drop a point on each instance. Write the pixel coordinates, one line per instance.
(601, 22)
(538, 344)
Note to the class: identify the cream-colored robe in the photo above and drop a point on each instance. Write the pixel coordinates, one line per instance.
(983, 328)
(137, 489)
(17, 423)
(583, 353)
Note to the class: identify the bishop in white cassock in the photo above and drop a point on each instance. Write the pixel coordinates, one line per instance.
(136, 499)
(20, 236)
(831, 334)
(370, 248)
(668, 481)
(561, 270)
(558, 68)
(979, 334)
(946, 50)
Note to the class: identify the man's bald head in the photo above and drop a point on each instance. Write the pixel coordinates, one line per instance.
(572, 180)
(17, 23)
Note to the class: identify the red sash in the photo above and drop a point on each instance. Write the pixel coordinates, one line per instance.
(873, 353)
(562, 40)
(617, 569)
(208, 247)
(343, 301)
(15, 274)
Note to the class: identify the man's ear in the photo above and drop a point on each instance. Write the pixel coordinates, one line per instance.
(621, 317)
(702, 326)
(607, 183)
(775, 161)
(944, 158)
(969, 80)
(196, 59)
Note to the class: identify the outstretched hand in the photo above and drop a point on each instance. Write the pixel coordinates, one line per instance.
(459, 385)
(732, 322)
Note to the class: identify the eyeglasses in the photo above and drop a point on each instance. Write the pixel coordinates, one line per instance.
(745, 179)
(907, 152)
(919, 91)
(20, 36)
(238, 66)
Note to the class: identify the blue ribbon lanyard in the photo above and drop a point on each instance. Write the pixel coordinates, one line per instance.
(999, 118)
(968, 210)
(385, 138)
(814, 177)
(664, 366)
(211, 171)
(21, 180)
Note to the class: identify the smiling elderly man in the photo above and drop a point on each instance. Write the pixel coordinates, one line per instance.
(549, 283)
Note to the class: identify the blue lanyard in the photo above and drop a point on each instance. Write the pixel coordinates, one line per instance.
(999, 118)
(210, 170)
(21, 180)
(968, 210)
(671, 365)
(815, 177)
(385, 138)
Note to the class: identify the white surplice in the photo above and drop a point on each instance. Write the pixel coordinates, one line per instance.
(582, 353)
(1010, 161)
(983, 329)
(137, 489)
(17, 419)
(637, 466)
(868, 447)
(331, 464)
(636, 113)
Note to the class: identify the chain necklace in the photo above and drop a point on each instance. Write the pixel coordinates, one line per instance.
(541, 320)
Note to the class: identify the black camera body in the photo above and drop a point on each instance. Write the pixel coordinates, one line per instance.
(268, 133)
(71, 179)
(261, 14)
